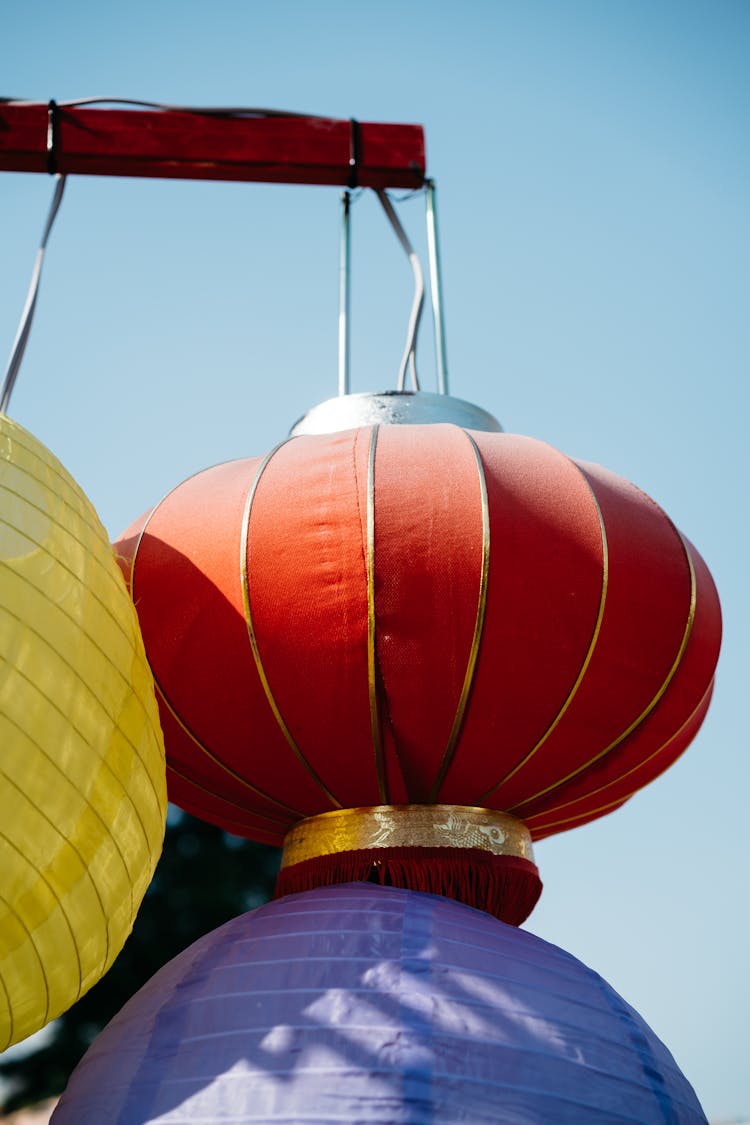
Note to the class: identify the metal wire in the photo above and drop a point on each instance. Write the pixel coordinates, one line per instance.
(27, 316)
(410, 352)
(206, 111)
(436, 287)
(344, 294)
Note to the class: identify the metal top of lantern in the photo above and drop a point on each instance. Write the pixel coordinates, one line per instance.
(397, 406)
(393, 407)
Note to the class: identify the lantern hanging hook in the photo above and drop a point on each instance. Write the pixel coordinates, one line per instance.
(409, 358)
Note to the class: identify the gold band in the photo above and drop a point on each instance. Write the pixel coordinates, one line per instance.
(407, 826)
(476, 642)
(245, 584)
(372, 671)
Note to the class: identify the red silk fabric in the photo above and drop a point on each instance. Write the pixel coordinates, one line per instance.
(595, 642)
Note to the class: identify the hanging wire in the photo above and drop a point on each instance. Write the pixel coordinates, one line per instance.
(205, 111)
(436, 286)
(409, 359)
(406, 196)
(27, 316)
(345, 294)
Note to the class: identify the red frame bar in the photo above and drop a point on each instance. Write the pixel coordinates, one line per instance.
(190, 145)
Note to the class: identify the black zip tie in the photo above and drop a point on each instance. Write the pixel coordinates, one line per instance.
(354, 153)
(52, 136)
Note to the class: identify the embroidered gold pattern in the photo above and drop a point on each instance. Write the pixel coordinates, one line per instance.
(411, 826)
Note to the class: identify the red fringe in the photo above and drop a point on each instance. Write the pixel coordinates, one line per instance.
(506, 886)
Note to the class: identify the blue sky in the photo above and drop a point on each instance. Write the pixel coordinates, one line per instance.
(593, 169)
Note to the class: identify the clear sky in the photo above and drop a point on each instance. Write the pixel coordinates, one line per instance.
(593, 170)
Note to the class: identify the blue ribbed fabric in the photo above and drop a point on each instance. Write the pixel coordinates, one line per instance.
(359, 1004)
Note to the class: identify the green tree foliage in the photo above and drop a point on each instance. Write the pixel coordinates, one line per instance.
(204, 878)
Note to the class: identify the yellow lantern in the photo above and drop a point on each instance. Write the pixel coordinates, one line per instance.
(82, 776)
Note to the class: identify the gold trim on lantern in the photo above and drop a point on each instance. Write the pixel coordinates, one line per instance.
(216, 761)
(407, 826)
(476, 640)
(146, 522)
(248, 621)
(244, 581)
(240, 825)
(377, 738)
(278, 824)
(544, 817)
(587, 659)
(647, 711)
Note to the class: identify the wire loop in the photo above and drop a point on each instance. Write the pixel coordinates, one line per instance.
(409, 359)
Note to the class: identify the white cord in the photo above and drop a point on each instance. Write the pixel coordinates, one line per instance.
(410, 353)
(27, 316)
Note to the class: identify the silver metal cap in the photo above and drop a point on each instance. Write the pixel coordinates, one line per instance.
(393, 408)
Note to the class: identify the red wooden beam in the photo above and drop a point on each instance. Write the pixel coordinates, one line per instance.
(177, 144)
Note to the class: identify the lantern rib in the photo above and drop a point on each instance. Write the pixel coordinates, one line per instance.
(586, 660)
(33, 944)
(160, 690)
(85, 866)
(69, 721)
(217, 761)
(377, 735)
(103, 762)
(244, 580)
(476, 640)
(650, 706)
(67, 481)
(227, 801)
(6, 994)
(64, 914)
(583, 818)
(45, 639)
(236, 827)
(108, 574)
(547, 825)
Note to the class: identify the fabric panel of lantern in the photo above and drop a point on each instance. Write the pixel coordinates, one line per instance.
(374, 1004)
(82, 782)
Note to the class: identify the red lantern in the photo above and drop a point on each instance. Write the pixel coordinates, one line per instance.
(403, 615)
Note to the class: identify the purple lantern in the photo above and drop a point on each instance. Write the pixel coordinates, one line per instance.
(359, 1003)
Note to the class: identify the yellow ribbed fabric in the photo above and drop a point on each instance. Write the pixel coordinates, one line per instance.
(82, 776)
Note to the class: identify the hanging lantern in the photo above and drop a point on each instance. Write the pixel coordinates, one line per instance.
(82, 782)
(361, 1003)
(418, 614)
